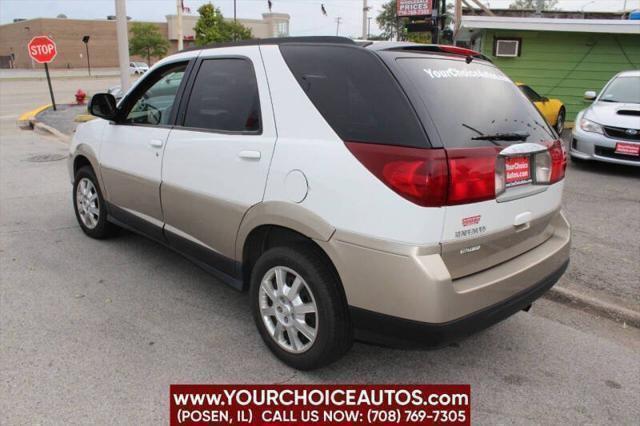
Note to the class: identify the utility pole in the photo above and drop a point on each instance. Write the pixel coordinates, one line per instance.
(365, 11)
(338, 20)
(235, 18)
(457, 20)
(179, 26)
(539, 7)
(123, 43)
(369, 27)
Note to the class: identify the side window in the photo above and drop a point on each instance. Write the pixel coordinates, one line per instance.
(155, 103)
(530, 93)
(224, 97)
(355, 93)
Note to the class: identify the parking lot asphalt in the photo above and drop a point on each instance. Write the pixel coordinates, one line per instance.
(602, 202)
(95, 331)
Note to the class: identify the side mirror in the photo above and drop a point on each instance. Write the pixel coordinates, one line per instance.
(590, 95)
(103, 105)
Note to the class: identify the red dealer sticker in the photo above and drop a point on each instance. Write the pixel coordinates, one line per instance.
(628, 149)
(327, 404)
(517, 171)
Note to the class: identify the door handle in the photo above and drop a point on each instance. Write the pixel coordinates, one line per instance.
(249, 155)
(156, 143)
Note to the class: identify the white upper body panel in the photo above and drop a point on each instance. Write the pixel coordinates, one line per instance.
(341, 190)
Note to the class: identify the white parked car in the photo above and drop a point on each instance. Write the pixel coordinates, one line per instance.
(138, 67)
(396, 193)
(609, 130)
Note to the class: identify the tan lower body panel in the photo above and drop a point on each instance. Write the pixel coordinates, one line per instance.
(133, 193)
(419, 286)
(213, 222)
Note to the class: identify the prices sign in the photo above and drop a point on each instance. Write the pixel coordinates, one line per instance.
(42, 49)
(414, 7)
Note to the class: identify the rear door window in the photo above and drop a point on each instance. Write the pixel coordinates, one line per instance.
(355, 93)
(224, 97)
(465, 100)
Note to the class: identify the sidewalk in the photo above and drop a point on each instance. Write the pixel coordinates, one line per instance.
(38, 73)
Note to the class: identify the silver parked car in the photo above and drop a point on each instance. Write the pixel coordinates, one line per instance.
(609, 130)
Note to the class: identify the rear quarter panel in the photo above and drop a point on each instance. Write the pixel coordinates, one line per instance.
(340, 189)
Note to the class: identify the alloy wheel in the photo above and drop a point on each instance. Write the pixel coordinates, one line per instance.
(288, 309)
(87, 203)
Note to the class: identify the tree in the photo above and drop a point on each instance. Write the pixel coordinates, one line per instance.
(531, 4)
(147, 41)
(212, 27)
(388, 21)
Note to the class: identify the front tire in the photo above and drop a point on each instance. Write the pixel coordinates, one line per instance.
(89, 205)
(299, 307)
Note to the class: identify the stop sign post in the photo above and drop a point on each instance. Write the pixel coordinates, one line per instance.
(43, 50)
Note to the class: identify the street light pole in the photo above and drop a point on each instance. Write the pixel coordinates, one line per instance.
(338, 19)
(85, 40)
(123, 43)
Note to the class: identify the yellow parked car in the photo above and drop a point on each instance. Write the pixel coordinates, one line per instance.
(553, 110)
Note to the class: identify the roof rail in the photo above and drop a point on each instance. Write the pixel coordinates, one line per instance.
(275, 40)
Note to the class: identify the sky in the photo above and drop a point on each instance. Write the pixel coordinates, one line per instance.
(306, 18)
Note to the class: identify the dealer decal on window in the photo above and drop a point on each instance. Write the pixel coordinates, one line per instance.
(458, 73)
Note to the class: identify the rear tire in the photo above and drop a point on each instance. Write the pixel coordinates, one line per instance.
(560, 121)
(89, 205)
(308, 329)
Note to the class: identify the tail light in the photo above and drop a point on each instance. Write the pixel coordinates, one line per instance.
(431, 177)
(442, 177)
(472, 174)
(558, 161)
(419, 175)
(550, 165)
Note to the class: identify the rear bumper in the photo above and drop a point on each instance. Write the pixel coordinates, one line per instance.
(393, 331)
(407, 293)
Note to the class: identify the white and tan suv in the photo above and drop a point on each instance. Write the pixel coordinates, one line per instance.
(391, 192)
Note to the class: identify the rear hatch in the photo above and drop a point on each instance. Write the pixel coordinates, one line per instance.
(505, 163)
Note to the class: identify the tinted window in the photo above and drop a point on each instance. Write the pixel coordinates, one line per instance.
(156, 102)
(461, 96)
(355, 93)
(224, 97)
(623, 89)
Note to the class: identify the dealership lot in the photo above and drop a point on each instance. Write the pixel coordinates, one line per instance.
(96, 331)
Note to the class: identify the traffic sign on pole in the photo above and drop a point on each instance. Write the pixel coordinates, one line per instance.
(43, 50)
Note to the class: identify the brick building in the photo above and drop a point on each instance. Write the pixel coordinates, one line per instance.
(103, 49)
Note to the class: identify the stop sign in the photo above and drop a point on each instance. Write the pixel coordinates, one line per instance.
(42, 49)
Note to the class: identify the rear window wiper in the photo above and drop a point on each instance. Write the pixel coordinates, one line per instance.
(511, 136)
(515, 136)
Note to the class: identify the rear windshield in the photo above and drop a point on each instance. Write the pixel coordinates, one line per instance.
(465, 100)
(355, 93)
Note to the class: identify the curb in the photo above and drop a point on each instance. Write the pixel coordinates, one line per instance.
(26, 119)
(44, 128)
(588, 303)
